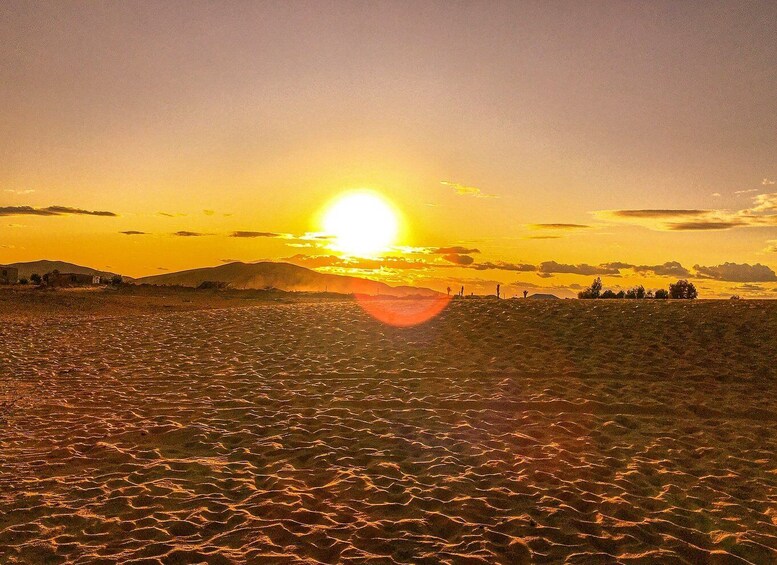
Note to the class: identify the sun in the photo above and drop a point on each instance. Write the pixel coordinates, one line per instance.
(361, 223)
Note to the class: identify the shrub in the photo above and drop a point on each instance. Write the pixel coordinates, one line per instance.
(23, 281)
(662, 294)
(35, 278)
(608, 294)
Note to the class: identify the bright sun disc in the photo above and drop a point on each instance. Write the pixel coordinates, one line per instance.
(361, 223)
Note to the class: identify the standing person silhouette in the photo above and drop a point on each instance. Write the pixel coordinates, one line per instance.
(497, 291)
(449, 291)
(462, 292)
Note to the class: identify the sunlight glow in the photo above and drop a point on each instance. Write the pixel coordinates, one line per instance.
(362, 224)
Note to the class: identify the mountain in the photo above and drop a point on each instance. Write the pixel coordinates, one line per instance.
(44, 266)
(283, 276)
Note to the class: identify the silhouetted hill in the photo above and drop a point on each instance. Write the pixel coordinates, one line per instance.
(44, 266)
(283, 276)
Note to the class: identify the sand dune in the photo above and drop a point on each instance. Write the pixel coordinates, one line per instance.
(500, 432)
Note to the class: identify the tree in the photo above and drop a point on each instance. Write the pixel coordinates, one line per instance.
(116, 280)
(608, 294)
(662, 294)
(683, 289)
(23, 281)
(35, 278)
(592, 291)
(649, 294)
(620, 294)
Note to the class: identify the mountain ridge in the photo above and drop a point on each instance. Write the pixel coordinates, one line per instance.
(283, 276)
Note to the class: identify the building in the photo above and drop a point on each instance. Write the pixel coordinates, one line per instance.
(9, 275)
(72, 279)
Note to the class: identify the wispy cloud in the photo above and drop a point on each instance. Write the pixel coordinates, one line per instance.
(767, 182)
(704, 225)
(504, 266)
(650, 214)
(559, 226)
(252, 234)
(552, 267)
(762, 213)
(133, 232)
(748, 191)
(334, 261)
(19, 192)
(458, 259)
(51, 211)
(184, 233)
(464, 190)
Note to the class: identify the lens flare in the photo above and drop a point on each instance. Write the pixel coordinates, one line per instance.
(403, 312)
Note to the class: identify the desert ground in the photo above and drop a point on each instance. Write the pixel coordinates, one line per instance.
(512, 431)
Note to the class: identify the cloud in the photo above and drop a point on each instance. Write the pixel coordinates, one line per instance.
(12, 191)
(208, 212)
(543, 237)
(502, 266)
(455, 249)
(767, 182)
(771, 246)
(51, 211)
(716, 194)
(459, 259)
(552, 267)
(762, 213)
(748, 191)
(184, 233)
(704, 225)
(333, 261)
(668, 269)
(734, 272)
(651, 214)
(766, 202)
(559, 226)
(463, 190)
(133, 232)
(254, 234)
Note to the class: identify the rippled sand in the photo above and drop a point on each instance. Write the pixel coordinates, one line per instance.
(500, 432)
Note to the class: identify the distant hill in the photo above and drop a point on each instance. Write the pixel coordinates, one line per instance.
(283, 276)
(540, 296)
(44, 266)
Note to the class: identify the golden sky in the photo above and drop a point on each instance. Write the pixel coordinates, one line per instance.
(546, 142)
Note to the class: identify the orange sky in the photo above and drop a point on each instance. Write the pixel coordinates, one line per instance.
(551, 140)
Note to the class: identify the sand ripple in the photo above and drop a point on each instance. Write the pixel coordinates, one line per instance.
(498, 433)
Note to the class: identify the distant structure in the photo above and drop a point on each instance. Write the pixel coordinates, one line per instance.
(497, 291)
(73, 279)
(9, 275)
(525, 292)
(540, 296)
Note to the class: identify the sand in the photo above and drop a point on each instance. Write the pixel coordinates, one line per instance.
(500, 432)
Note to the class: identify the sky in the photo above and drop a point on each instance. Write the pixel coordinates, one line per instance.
(531, 144)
